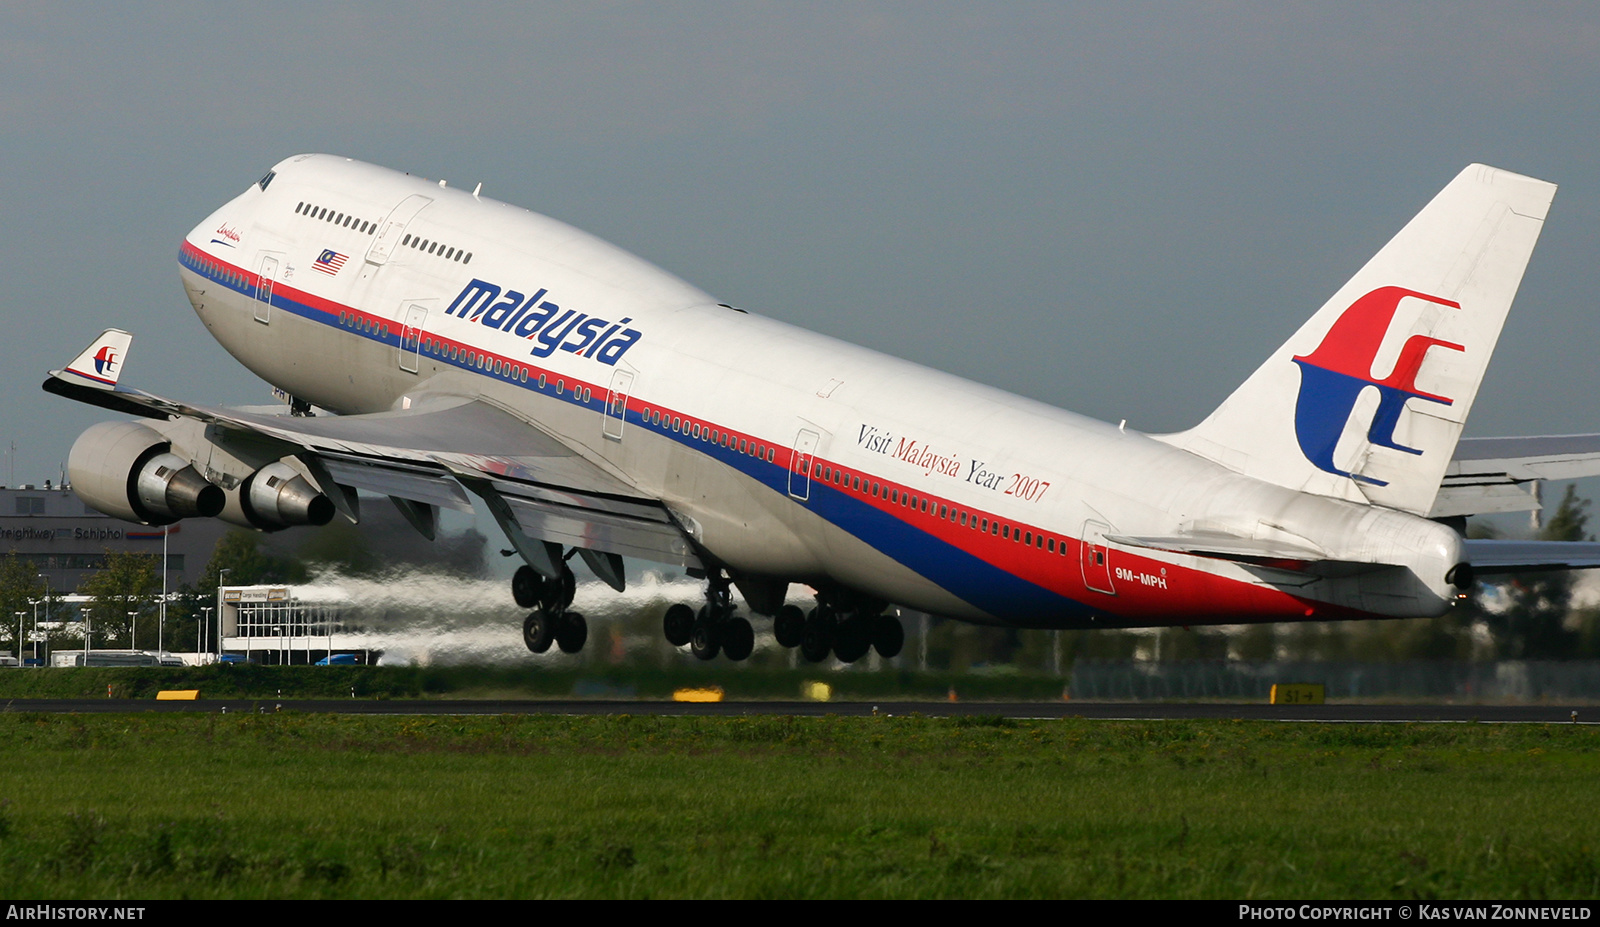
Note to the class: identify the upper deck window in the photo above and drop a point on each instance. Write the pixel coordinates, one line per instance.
(262, 183)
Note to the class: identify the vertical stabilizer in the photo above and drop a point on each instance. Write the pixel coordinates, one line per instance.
(1368, 398)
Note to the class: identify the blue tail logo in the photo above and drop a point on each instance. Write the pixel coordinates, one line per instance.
(1333, 376)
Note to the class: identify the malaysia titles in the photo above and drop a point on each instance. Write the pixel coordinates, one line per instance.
(544, 322)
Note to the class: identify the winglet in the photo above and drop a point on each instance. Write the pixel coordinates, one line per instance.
(92, 378)
(100, 364)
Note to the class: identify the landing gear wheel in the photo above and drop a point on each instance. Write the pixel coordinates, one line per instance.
(527, 586)
(854, 638)
(557, 596)
(888, 637)
(789, 625)
(573, 633)
(705, 641)
(816, 638)
(537, 631)
(738, 639)
(678, 624)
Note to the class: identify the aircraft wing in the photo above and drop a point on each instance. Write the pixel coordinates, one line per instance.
(1489, 475)
(433, 455)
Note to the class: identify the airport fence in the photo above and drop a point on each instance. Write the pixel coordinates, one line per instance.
(1518, 680)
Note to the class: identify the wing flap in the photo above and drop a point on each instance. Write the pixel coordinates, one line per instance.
(405, 481)
(620, 506)
(647, 539)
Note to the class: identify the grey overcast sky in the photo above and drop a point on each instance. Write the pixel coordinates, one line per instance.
(1118, 208)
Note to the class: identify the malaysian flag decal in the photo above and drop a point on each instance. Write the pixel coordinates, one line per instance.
(329, 262)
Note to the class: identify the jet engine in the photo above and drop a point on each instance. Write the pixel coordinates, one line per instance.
(276, 497)
(128, 470)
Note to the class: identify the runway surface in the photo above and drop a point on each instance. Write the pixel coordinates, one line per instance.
(1142, 711)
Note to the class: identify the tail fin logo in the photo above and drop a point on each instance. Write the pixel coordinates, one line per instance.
(1333, 376)
(105, 361)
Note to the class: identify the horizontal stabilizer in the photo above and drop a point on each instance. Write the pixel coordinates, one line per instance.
(1491, 557)
(1490, 475)
(1549, 457)
(1274, 555)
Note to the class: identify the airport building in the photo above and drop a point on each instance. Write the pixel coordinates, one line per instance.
(67, 541)
(288, 624)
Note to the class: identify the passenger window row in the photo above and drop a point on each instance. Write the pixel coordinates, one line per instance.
(217, 270)
(669, 422)
(337, 218)
(894, 496)
(352, 320)
(433, 247)
(488, 363)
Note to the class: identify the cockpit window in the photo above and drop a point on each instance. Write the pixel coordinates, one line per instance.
(262, 183)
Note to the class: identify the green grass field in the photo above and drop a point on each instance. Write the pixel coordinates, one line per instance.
(303, 806)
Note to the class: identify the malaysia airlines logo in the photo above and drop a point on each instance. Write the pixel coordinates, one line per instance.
(329, 262)
(543, 322)
(1333, 376)
(105, 361)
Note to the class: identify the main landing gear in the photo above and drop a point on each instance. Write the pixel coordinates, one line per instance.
(842, 625)
(845, 626)
(552, 620)
(716, 628)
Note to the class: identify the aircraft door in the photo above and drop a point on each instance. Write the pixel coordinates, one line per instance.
(1095, 556)
(268, 275)
(393, 227)
(805, 448)
(411, 336)
(617, 404)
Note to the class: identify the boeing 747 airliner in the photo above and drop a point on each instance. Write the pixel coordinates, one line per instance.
(435, 345)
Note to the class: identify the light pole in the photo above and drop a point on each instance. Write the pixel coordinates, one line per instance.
(133, 632)
(161, 616)
(221, 575)
(88, 633)
(46, 610)
(199, 635)
(19, 636)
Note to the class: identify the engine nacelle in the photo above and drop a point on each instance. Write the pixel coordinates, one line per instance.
(276, 497)
(127, 470)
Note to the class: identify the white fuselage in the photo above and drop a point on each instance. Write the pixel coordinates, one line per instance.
(789, 454)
